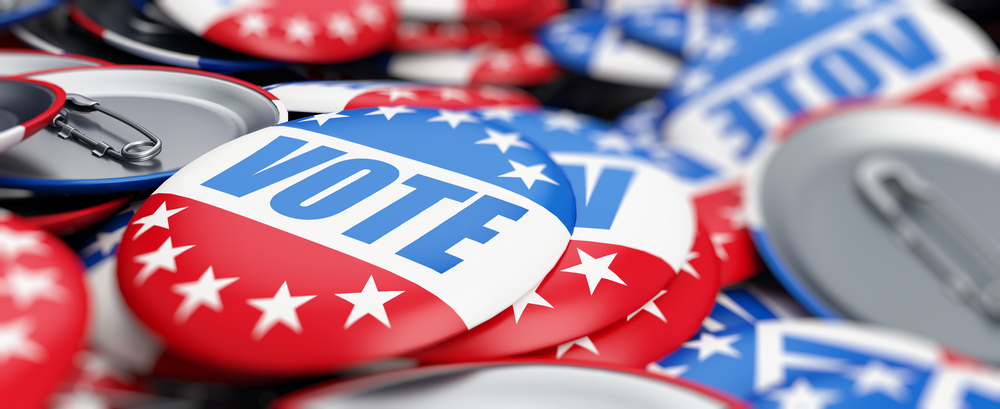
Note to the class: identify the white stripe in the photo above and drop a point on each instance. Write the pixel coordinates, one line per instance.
(310, 97)
(11, 136)
(198, 16)
(624, 61)
(453, 68)
(31, 39)
(149, 52)
(282, 111)
(432, 10)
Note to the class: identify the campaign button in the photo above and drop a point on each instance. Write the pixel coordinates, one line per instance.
(586, 43)
(17, 61)
(516, 61)
(342, 238)
(974, 89)
(330, 96)
(634, 228)
(512, 383)
(301, 31)
(891, 194)
(660, 325)
(43, 310)
(26, 107)
(215, 109)
(808, 362)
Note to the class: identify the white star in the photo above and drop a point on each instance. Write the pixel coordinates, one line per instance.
(204, 292)
(595, 269)
(342, 26)
(688, 268)
(371, 15)
(670, 371)
(493, 93)
(453, 118)
(877, 377)
(132, 207)
(535, 55)
(300, 29)
(708, 345)
(159, 218)
(650, 307)
(613, 141)
(502, 60)
(736, 216)
(528, 174)
(454, 94)
(695, 80)
(253, 24)
(280, 308)
(503, 141)
(15, 343)
(531, 297)
(970, 92)
(564, 120)
(395, 93)
(322, 118)
(502, 113)
(105, 242)
(720, 48)
(759, 17)
(584, 343)
(27, 286)
(370, 301)
(811, 7)
(163, 258)
(719, 242)
(802, 395)
(391, 111)
(14, 242)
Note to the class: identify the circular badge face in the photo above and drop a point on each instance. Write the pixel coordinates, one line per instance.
(417, 36)
(585, 42)
(331, 96)
(26, 107)
(215, 109)
(61, 215)
(16, 11)
(814, 363)
(43, 309)
(342, 238)
(634, 228)
(660, 325)
(677, 29)
(465, 10)
(490, 384)
(16, 61)
(125, 28)
(55, 33)
(302, 31)
(519, 62)
(860, 226)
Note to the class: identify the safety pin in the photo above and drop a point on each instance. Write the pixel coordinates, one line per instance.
(129, 152)
(871, 175)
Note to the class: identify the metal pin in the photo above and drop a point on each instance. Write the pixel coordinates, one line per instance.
(870, 177)
(131, 152)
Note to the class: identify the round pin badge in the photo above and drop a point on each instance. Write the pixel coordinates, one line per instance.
(490, 384)
(26, 107)
(343, 238)
(55, 33)
(12, 12)
(122, 27)
(15, 61)
(123, 130)
(634, 229)
(587, 43)
(518, 62)
(60, 214)
(778, 60)
(659, 326)
(808, 362)
(43, 309)
(892, 195)
(330, 96)
(301, 31)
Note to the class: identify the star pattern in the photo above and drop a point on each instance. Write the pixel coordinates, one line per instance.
(454, 94)
(613, 141)
(531, 297)
(759, 17)
(501, 113)
(688, 268)
(300, 30)
(203, 292)
(811, 7)
(502, 61)
(970, 93)
(493, 93)
(736, 216)
(371, 15)
(253, 24)
(528, 174)
(708, 345)
(370, 301)
(159, 218)
(650, 307)
(341, 26)
(453, 118)
(583, 342)
(15, 342)
(25, 287)
(278, 309)
(503, 140)
(395, 93)
(322, 118)
(719, 242)
(13, 242)
(802, 395)
(720, 48)
(163, 258)
(695, 80)
(595, 269)
(877, 377)
(564, 120)
(391, 111)
(104, 243)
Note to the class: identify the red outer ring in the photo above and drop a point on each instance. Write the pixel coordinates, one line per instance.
(45, 118)
(66, 223)
(99, 62)
(87, 23)
(727, 399)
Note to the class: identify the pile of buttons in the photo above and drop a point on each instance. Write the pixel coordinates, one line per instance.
(519, 203)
